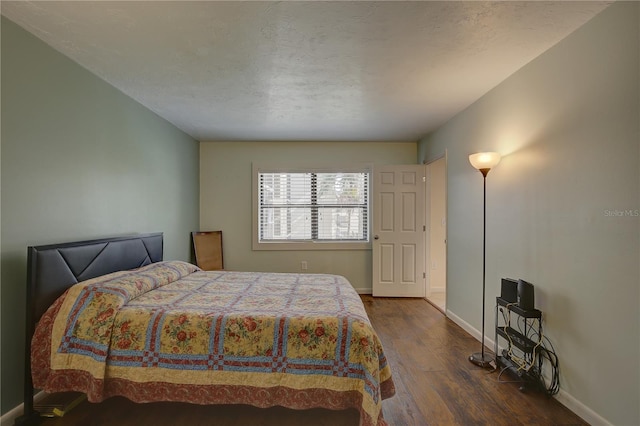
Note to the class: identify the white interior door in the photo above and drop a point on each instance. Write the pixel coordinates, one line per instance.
(399, 229)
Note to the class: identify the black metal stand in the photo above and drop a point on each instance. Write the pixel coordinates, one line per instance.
(30, 416)
(530, 377)
(28, 419)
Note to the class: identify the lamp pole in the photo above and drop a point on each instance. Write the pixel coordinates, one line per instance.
(483, 162)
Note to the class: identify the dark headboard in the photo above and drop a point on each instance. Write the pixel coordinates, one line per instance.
(54, 268)
(51, 269)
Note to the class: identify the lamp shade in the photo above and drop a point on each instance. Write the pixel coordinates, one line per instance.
(484, 160)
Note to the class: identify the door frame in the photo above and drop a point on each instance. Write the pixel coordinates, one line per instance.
(427, 162)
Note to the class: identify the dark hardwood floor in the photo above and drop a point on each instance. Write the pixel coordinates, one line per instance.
(435, 385)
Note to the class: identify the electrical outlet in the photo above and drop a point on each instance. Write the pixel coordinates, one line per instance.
(303, 265)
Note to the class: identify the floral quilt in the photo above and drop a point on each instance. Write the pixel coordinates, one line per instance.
(171, 332)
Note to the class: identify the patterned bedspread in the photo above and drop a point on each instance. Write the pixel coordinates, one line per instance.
(170, 332)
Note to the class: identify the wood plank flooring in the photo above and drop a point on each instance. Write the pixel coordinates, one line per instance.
(435, 385)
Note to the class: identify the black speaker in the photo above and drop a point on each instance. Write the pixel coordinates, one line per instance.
(525, 295)
(509, 290)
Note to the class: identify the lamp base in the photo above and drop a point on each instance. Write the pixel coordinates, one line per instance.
(481, 360)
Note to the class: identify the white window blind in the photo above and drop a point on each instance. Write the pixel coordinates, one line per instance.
(310, 206)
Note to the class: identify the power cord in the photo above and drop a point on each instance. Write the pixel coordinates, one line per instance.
(547, 352)
(526, 364)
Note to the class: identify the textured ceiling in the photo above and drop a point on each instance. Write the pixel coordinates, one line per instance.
(310, 70)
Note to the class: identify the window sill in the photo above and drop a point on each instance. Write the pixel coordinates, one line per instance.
(282, 245)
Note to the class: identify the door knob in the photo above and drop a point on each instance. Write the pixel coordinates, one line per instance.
(375, 237)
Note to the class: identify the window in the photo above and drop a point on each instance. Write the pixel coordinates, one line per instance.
(299, 209)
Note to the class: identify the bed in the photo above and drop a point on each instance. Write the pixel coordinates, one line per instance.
(114, 319)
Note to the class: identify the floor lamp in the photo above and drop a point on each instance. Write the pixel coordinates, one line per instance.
(483, 161)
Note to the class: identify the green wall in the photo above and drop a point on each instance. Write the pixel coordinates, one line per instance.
(80, 160)
(562, 207)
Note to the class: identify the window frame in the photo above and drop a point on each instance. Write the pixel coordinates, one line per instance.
(258, 168)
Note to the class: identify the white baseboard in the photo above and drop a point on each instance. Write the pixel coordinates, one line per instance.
(488, 343)
(566, 399)
(10, 416)
(364, 290)
(586, 413)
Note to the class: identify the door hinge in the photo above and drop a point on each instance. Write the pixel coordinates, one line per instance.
(424, 228)
(424, 275)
